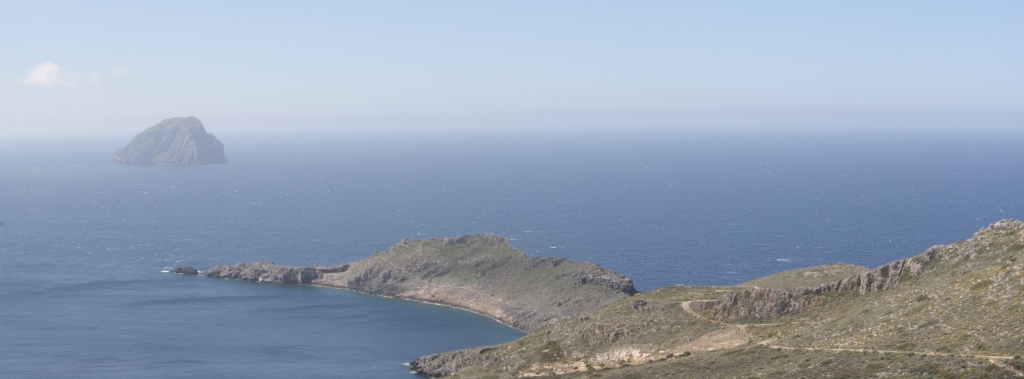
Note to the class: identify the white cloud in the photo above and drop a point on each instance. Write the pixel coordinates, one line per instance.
(49, 74)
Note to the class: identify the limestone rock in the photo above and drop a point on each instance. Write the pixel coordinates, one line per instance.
(179, 141)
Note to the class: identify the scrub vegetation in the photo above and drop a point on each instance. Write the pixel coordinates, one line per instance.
(955, 311)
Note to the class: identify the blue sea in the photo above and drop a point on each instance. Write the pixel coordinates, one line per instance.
(84, 240)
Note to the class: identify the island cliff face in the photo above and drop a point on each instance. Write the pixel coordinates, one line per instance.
(179, 141)
(482, 274)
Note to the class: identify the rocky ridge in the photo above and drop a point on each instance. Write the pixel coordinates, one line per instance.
(767, 302)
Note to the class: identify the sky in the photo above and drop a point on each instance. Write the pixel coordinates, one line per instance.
(95, 67)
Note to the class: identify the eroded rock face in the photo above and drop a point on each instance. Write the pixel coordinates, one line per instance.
(765, 302)
(179, 141)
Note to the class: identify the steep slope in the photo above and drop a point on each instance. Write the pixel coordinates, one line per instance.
(174, 141)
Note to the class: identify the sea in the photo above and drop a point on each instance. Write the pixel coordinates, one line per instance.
(84, 241)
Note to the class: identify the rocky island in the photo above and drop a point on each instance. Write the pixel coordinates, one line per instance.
(179, 141)
(953, 311)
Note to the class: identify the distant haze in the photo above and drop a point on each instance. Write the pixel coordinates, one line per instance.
(118, 68)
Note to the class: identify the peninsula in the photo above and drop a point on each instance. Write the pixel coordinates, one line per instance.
(179, 141)
(482, 274)
(953, 311)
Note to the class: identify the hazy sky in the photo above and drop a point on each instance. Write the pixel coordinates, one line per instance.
(101, 66)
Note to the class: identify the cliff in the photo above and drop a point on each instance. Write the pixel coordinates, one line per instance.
(482, 274)
(767, 302)
(175, 141)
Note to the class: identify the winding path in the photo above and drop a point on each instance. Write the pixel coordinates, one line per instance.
(998, 360)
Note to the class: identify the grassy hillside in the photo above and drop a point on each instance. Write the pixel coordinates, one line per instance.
(484, 274)
(967, 297)
(807, 277)
(954, 311)
(757, 361)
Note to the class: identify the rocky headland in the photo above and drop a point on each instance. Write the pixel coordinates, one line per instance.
(953, 311)
(482, 274)
(179, 141)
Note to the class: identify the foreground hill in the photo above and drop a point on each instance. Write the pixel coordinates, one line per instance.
(962, 298)
(954, 311)
(483, 274)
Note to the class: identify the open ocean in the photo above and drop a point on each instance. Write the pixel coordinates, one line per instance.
(83, 239)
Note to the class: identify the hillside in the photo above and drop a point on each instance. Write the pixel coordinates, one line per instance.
(953, 311)
(806, 277)
(964, 298)
(482, 273)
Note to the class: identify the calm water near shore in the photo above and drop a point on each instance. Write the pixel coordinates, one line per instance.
(83, 239)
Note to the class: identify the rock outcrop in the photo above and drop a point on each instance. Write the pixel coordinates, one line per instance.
(766, 302)
(451, 362)
(266, 272)
(185, 270)
(179, 141)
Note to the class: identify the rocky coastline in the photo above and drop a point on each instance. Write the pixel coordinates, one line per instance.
(891, 321)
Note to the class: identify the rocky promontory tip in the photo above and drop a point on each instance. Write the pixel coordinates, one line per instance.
(181, 141)
(184, 270)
